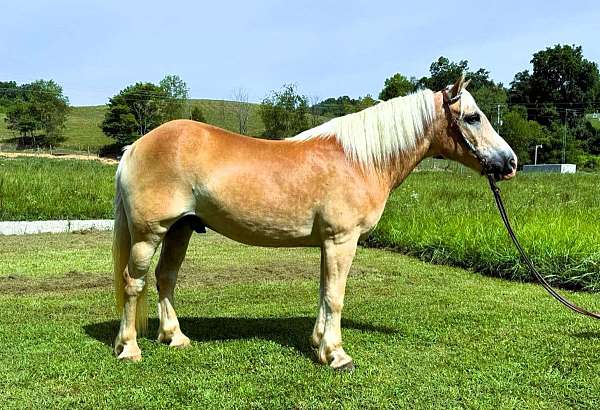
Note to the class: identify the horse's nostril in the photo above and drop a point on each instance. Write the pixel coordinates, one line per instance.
(513, 163)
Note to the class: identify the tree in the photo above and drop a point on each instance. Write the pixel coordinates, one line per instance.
(9, 92)
(365, 102)
(133, 112)
(489, 99)
(284, 113)
(397, 86)
(561, 78)
(344, 105)
(520, 88)
(38, 108)
(242, 109)
(197, 114)
(315, 111)
(443, 73)
(523, 134)
(176, 91)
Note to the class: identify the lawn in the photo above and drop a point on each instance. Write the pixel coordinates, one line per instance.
(422, 336)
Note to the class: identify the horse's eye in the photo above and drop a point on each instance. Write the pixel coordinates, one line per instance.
(472, 118)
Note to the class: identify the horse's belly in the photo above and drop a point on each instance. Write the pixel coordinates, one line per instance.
(259, 225)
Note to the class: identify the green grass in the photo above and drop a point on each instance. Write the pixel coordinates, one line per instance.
(451, 218)
(422, 336)
(223, 114)
(40, 189)
(82, 129)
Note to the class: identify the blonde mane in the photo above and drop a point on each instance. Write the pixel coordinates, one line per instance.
(379, 133)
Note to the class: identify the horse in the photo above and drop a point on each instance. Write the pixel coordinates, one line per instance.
(326, 187)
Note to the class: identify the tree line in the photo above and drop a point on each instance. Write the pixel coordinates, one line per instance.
(545, 106)
(36, 111)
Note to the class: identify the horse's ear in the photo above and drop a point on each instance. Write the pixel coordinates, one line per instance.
(458, 85)
(466, 84)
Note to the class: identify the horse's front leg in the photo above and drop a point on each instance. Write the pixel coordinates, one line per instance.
(337, 255)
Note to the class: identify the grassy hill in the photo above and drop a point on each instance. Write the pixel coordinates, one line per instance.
(83, 132)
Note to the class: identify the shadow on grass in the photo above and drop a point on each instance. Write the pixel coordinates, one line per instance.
(587, 335)
(289, 331)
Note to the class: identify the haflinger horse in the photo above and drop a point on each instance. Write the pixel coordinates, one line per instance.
(326, 187)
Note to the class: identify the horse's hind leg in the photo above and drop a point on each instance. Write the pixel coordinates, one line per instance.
(173, 251)
(142, 249)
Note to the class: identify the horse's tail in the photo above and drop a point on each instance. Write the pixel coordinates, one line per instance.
(121, 249)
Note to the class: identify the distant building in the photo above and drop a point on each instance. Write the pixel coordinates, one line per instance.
(551, 168)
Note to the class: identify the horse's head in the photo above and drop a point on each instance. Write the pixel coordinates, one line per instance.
(466, 135)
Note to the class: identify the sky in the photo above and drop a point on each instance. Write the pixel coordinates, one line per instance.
(328, 48)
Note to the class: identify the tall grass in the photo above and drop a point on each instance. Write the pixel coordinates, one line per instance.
(40, 189)
(450, 218)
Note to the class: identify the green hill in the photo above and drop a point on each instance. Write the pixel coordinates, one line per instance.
(83, 131)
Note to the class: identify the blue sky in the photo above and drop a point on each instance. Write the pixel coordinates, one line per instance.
(95, 48)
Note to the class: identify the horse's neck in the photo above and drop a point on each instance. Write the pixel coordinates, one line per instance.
(402, 165)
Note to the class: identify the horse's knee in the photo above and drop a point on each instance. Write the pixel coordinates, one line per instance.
(335, 303)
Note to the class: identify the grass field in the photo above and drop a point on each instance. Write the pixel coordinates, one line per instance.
(451, 218)
(40, 189)
(422, 336)
(82, 129)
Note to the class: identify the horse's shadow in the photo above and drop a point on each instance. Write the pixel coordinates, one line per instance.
(287, 331)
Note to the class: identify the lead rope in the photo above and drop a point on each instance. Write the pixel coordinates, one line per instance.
(525, 258)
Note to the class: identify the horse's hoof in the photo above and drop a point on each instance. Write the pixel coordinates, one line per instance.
(346, 367)
(128, 353)
(180, 341)
(130, 358)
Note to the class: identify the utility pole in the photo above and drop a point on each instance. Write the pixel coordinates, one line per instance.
(564, 141)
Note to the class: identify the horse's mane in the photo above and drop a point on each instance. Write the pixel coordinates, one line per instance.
(377, 134)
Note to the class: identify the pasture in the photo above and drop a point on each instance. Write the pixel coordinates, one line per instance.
(451, 218)
(422, 335)
(42, 189)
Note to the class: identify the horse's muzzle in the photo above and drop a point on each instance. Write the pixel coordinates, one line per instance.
(503, 166)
